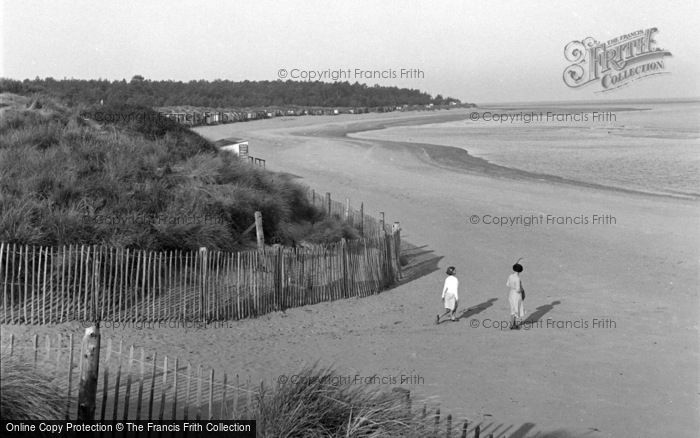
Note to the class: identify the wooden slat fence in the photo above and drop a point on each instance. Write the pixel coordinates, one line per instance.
(367, 225)
(135, 384)
(43, 285)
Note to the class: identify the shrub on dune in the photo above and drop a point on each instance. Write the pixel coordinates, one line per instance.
(322, 403)
(327, 231)
(19, 222)
(58, 167)
(179, 140)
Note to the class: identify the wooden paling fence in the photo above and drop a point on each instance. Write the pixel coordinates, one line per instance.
(80, 282)
(46, 285)
(367, 225)
(134, 384)
(257, 161)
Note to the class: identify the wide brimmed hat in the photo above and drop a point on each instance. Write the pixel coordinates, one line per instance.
(450, 270)
(517, 267)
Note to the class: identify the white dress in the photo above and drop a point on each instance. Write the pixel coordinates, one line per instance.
(514, 297)
(449, 292)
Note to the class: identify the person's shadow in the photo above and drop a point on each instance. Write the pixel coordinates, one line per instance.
(540, 312)
(475, 310)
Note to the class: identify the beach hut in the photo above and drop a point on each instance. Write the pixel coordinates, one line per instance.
(211, 118)
(234, 145)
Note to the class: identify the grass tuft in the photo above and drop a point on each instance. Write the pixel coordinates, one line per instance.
(322, 403)
(26, 393)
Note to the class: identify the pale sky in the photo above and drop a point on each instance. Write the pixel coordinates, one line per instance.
(485, 51)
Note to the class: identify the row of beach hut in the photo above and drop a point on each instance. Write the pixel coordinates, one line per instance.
(200, 117)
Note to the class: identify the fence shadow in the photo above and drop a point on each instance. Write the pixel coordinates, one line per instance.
(523, 430)
(468, 429)
(449, 426)
(417, 262)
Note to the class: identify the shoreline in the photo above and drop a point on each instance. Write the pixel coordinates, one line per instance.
(447, 157)
(460, 159)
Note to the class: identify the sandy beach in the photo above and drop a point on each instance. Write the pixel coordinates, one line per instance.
(613, 347)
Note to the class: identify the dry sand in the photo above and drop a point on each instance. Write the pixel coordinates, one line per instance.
(635, 376)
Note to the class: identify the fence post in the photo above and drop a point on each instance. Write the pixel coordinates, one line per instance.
(381, 221)
(259, 230)
(96, 289)
(328, 202)
(437, 422)
(389, 259)
(396, 233)
(278, 279)
(204, 265)
(362, 219)
(347, 209)
(87, 391)
(405, 396)
(344, 261)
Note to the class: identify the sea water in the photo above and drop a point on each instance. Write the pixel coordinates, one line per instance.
(646, 147)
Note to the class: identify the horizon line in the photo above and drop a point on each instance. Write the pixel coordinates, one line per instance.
(593, 101)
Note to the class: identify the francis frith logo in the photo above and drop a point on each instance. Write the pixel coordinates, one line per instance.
(616, 62)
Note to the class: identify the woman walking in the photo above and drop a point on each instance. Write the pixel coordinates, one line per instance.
(450, 297)
(516, 296)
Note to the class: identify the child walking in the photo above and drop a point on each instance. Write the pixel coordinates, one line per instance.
(516, 296)
(450, 297)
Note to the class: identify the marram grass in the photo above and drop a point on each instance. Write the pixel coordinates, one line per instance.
(28, 394)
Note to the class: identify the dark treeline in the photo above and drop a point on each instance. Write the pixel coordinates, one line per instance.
(222, 93)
